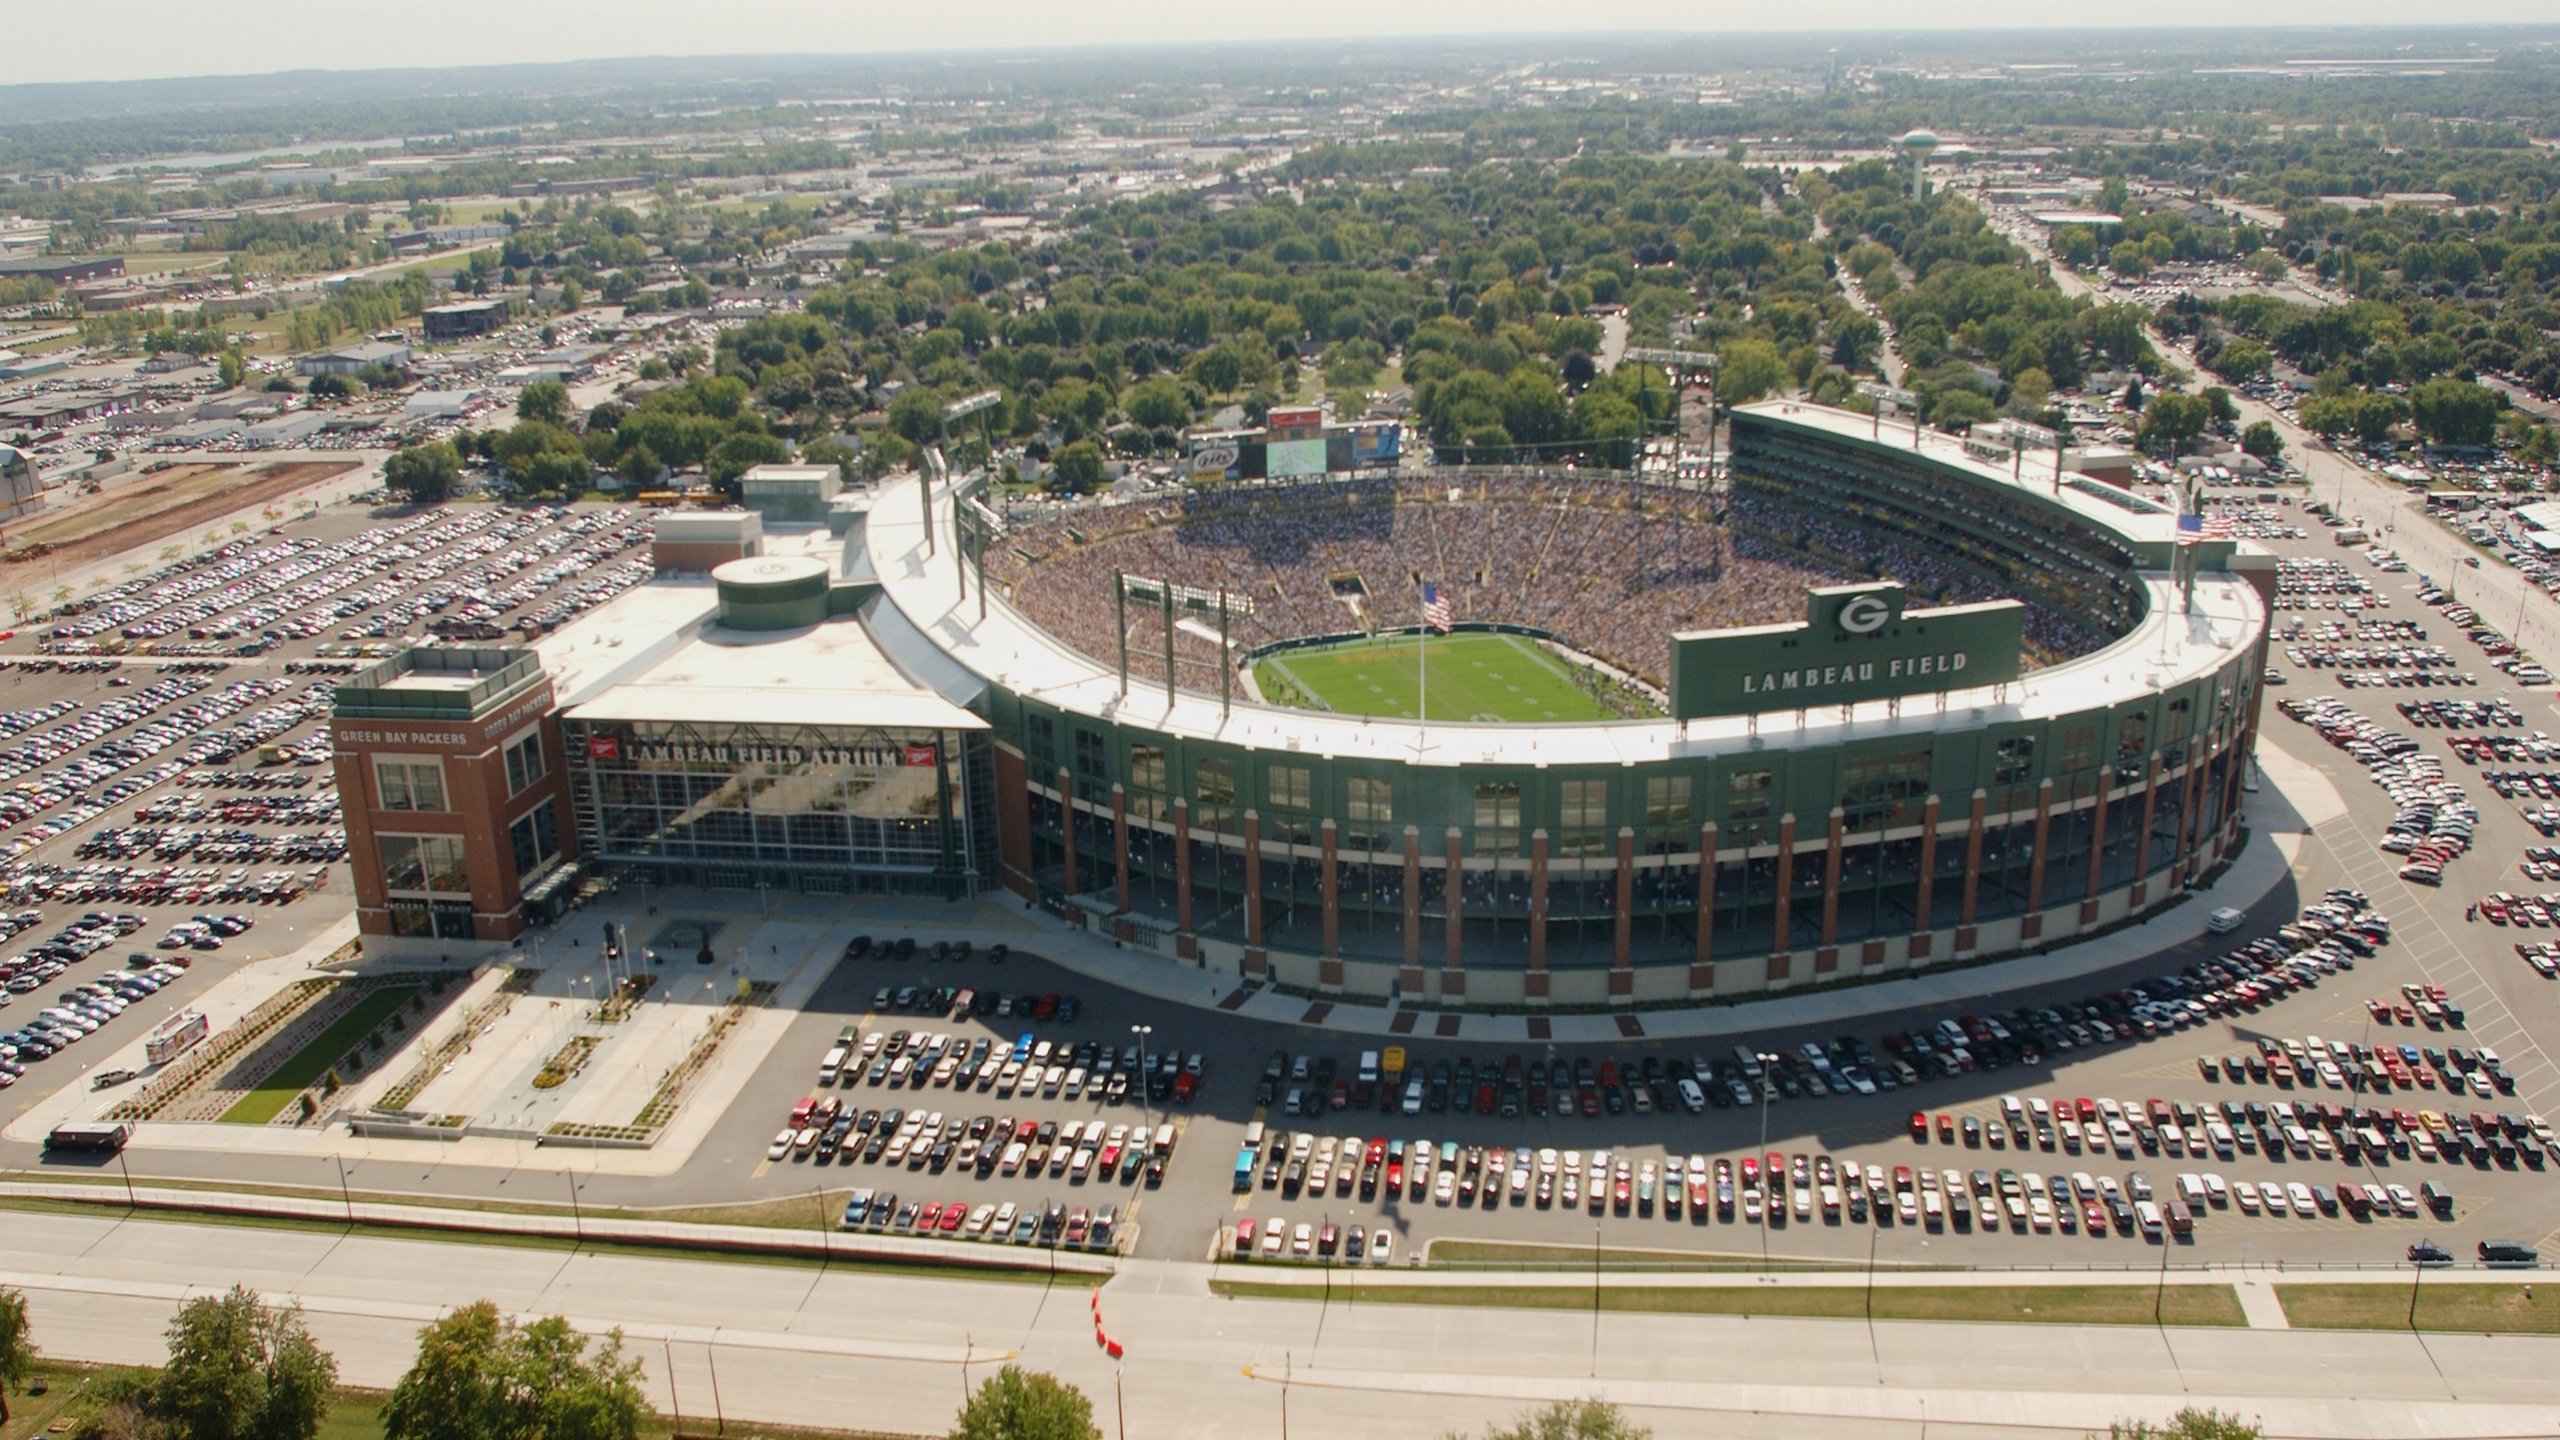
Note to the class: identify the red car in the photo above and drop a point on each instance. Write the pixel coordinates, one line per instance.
(952, 1215)
(1920, 1126)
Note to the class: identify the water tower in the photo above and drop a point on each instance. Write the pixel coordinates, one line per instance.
(1918, 144)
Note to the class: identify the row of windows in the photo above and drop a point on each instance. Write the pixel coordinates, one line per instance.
(415, 783)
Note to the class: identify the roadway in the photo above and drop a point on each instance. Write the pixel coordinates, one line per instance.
(839, 1347)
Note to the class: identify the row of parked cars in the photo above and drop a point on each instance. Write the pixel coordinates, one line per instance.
(825, 1129)
(1046, 1223)
(1029, 1065)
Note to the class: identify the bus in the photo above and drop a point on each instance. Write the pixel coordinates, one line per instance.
(101, 1137)
(175, 1036)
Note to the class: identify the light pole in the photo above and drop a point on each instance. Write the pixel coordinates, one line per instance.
(1145, 1075)
(1768, 1185)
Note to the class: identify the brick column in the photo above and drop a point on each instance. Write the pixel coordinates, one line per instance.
(1186, 943)
(1257, 963)
(1828, 956)
(1537, 977)
(1622, 957)
(1702, 967)
(2031, 926)
(2190, 815)
(1972, 872)
(1924, 895)
(1329, 887)
(1453, 962)
(1410, 980)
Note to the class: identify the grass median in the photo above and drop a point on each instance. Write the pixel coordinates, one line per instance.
(304, 1067)
(2183, 1305)
(2450, 1306)
(1515, 1254)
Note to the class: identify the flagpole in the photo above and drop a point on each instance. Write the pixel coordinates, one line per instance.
(1422, 649)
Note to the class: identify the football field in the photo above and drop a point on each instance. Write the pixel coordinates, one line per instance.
(1474, 677)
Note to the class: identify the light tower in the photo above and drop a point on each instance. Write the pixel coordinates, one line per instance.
(1918, 144)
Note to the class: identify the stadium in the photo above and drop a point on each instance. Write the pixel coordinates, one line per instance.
(1877, 702)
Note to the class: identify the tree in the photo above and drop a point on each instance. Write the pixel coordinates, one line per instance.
(1157, 403)
(1018, 1404)
(2261, 440)
(2075, 245)
(544, 400)
(2454, 412)
(240, 1369)
(1078, 469)
(1752, 368)
(1572, 1420)
(2244, 360)
(232, 367)
(423, 474)
(2171, 420)
(17, 1349)
(480, 1377)
(331, 387)
(2187, 1424)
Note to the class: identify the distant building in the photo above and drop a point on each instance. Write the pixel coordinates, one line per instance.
(64, 269)
(465, 319)
(791, 494)
(350, 359)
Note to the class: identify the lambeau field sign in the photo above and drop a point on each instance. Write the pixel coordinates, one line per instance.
(1855, 643)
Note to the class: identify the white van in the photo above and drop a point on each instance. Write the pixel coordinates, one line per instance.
(2224, 920)
(832, 1066)
(1368, 1067)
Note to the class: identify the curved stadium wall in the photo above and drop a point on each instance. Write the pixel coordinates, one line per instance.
(1744, 861)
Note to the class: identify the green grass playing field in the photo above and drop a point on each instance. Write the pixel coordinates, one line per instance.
(1474, 677)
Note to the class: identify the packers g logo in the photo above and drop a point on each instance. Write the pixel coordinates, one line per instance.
(1864, 615)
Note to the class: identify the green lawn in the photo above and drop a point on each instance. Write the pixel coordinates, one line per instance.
(2511, 1309)
(2215, 1305)
(308, 1064)
(1474, 677)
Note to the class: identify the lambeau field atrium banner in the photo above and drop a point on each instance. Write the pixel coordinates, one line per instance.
(1855, 643)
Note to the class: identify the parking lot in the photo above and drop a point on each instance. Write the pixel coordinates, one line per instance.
(163, 751)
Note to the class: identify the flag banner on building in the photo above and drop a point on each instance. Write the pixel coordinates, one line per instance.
(2195, 529)
(918, 755)
(1436, 612)
(604, 747)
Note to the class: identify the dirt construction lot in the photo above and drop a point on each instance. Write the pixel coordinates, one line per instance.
(141, 512)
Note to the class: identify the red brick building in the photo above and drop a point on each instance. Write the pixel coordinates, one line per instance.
(451, 772)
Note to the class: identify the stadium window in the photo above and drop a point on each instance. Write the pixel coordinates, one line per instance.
(535, 838)
(409, 784)
(1879, 791)
(1666, 800)
(1747, 794)
(1497, 826)
(2016, 761)
(1093, 766)
(2181, 720)
(2133, 745)
(1582, 817)
(1042, 744)
(524, 762)
(1291, 791)
(1213, 785)
(2079, 748)
(1370, 812)
(1146, 781)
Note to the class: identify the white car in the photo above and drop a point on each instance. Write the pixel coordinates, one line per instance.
(781, 1146)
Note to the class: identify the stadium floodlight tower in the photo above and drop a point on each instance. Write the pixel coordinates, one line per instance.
(1683, 364)
(1896, 397)
(1918, 145)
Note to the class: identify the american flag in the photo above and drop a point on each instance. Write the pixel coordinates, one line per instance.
(1436, 613)
(2195, 529)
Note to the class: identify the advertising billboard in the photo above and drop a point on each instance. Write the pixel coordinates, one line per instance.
(1216, 457)
(1374, 445)
(1286, 459)
(1855, 643)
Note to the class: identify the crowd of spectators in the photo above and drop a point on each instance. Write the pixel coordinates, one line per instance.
(1610, 566)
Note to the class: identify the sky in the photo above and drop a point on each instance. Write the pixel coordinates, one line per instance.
(144, 39)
